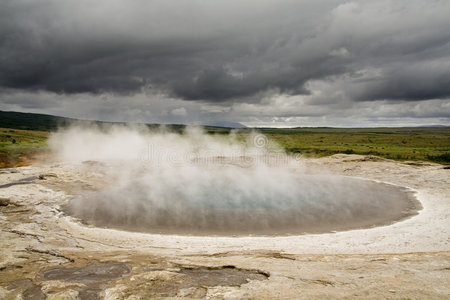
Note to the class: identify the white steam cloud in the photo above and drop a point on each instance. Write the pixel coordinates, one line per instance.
(195, 183)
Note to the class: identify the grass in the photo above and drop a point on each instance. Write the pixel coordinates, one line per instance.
(426, 144)
(20, 147)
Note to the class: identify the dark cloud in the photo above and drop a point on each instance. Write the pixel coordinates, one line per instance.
(231, 50)
(409, 82)
(255, 60)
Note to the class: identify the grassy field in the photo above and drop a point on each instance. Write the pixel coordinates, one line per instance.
(23, 139)
(21, 147)
(428, 144)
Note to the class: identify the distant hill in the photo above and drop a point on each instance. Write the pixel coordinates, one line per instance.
(43, 122)
(30, 121)
(433, 126)
(226, 125)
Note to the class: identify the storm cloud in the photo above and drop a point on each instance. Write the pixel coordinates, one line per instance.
(228, 53)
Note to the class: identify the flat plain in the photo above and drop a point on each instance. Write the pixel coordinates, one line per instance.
(20, 147)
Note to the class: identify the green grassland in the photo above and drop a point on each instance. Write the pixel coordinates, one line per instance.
(18, 147)
(428, 144)
(23, 138)
(425, 144)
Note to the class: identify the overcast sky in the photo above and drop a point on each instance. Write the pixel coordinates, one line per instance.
(257, 62)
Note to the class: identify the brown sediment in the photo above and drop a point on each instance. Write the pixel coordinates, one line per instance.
(29, 159)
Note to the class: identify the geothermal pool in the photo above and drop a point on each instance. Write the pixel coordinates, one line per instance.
(198, 184)
(315, 204)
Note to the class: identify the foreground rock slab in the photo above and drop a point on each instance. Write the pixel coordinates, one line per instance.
(47, 255)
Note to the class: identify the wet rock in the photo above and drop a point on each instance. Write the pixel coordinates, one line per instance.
(90, 294)
(48, 175)
(20, 284)
(225, 276)
(22, 181)
(192, 282)
(5, 201)
(34, 293)
(89, 274)
(93, 277)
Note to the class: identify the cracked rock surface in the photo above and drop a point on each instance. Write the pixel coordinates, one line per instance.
(48, 255)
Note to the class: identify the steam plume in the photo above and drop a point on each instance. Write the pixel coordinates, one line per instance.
(161, 181)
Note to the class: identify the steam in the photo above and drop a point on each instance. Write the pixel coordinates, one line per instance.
(195, 183)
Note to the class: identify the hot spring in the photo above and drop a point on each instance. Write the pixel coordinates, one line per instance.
(198, 184)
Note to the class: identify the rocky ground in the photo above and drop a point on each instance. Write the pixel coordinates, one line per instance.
(47, 255)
